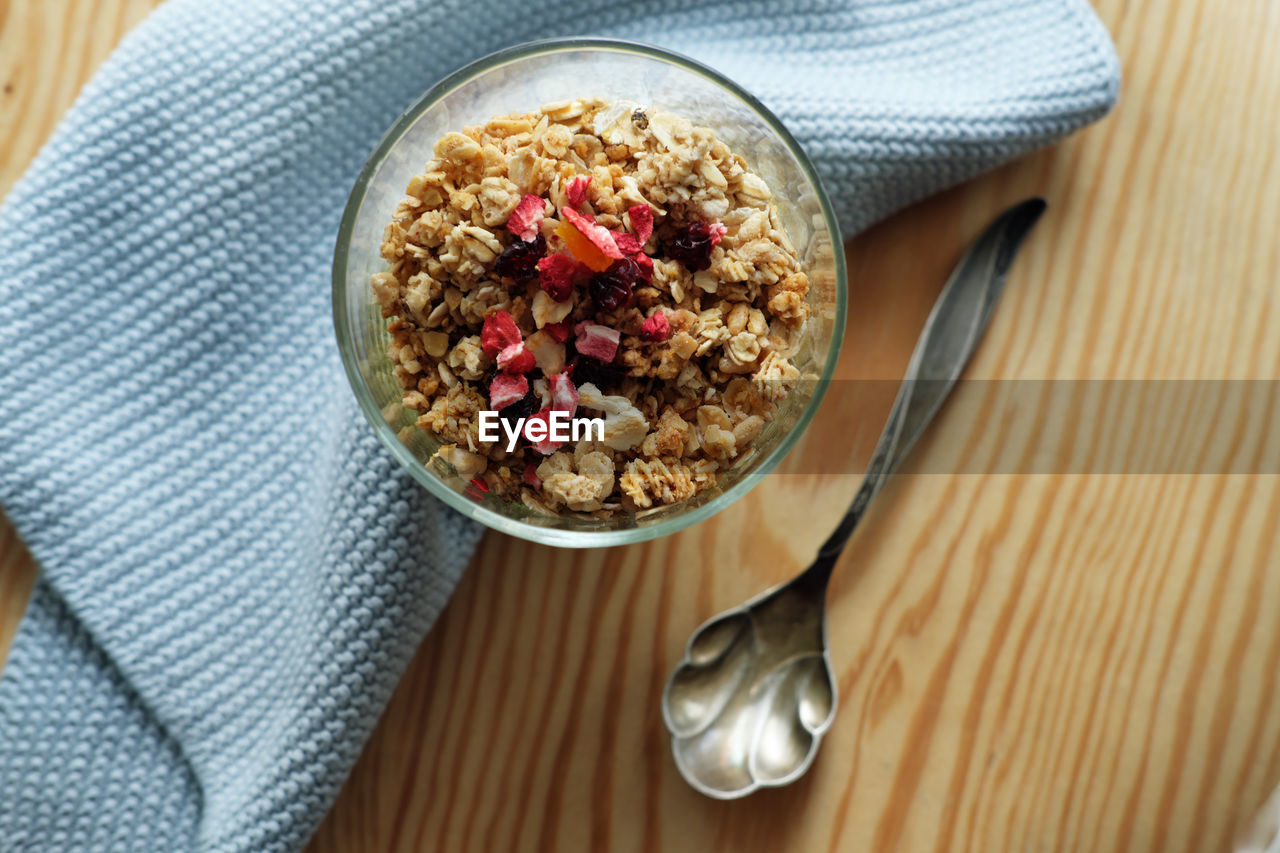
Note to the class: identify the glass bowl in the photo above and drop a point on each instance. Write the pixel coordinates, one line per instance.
(523, 78)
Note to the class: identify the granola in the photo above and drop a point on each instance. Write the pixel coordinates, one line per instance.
(600, 258)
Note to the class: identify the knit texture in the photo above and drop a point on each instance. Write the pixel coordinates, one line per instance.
(235, 573)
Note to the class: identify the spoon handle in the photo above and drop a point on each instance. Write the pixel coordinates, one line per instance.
(949, 338)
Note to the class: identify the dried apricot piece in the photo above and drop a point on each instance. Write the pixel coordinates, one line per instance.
(599, 236)
(582, 248)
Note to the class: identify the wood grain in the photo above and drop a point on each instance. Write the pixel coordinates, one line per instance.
(1048, 661)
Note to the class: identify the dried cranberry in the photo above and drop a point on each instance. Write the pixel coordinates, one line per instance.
(522, 408)
(611, 289)
(692, 245)
(520, 259)
(586, 370)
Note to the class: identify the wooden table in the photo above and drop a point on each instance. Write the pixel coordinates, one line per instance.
(1069, 657)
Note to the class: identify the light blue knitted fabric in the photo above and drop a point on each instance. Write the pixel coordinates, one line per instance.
(235, 573)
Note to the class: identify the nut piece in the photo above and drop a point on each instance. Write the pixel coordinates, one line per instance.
(467, 464)
(548, 353)
(435, 343)
(546, 310)
(715, 432)
(624, 424)
(467, 360)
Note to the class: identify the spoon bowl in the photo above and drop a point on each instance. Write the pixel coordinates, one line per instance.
(753, 695)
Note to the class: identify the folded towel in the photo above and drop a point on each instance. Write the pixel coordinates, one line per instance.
(234, 571)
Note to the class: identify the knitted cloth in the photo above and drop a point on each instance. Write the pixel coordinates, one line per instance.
(235, 573)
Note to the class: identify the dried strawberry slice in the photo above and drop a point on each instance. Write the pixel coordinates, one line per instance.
(599, 236)
(641, 216)
(546, 447)
(599, 342)
(520, 260)
(516, 358)
(499, 332)
(556, 274)
(627, 243)
(507, 388)
(559, 332)
(656, 328)
(531, 477)
(526, 218)
(564, 396)
(576, 191)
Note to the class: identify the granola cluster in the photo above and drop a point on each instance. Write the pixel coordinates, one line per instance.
(601, 260)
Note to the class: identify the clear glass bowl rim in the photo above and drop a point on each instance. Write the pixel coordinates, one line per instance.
(472, 509)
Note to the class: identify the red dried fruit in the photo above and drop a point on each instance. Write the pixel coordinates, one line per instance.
(507, 388)
(520, 259)
(692, 244)
(641, 216)
(564, 396)
(531, 477)
(656, 328)
(558, 331)
(526, 218)
(546, 446)
(611, 289)
(516, 358)
(599, 342)
(599, 236)
(646, 266)
(627, 243)
(498, 332)
(480, 485)
(556, 275)
(576, 191)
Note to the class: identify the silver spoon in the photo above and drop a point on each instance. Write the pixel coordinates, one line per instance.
(749, 703)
